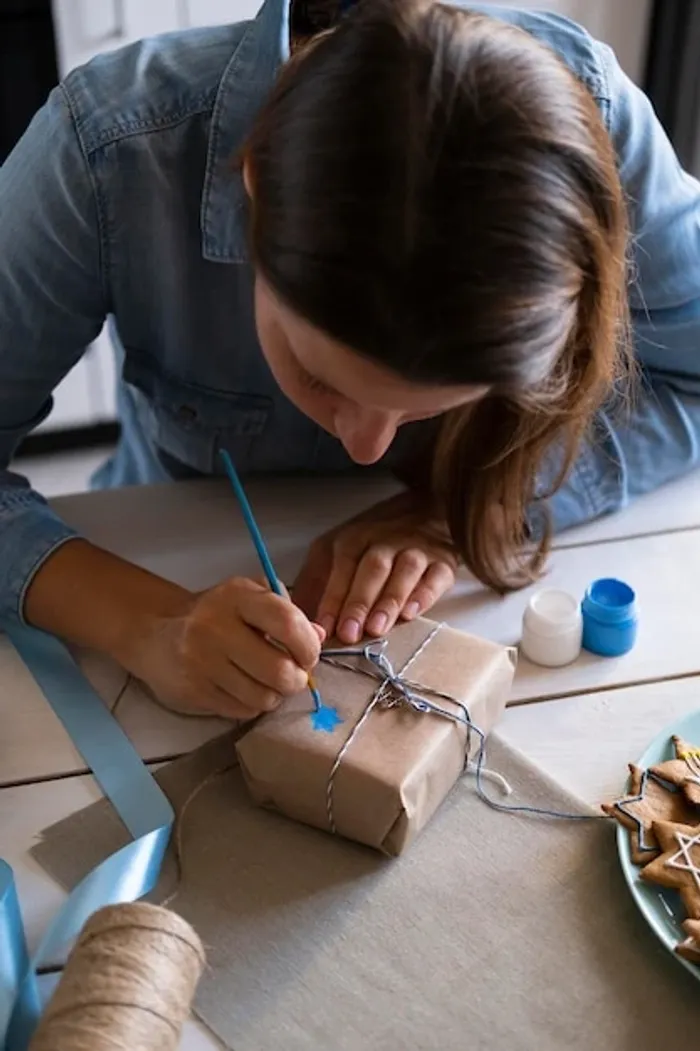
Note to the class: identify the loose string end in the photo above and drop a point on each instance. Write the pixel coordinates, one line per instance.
(491, 775)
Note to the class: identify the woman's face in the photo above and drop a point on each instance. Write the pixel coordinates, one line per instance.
(357, 401)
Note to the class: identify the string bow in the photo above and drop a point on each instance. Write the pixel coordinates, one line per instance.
(395, 690)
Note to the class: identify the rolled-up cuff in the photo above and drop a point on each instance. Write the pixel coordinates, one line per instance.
(30, 532)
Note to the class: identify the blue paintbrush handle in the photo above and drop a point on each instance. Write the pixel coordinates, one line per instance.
(256, 536)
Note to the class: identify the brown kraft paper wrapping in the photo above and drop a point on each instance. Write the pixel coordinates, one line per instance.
(401, 763)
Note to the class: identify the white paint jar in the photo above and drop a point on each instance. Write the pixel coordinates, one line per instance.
(552, 629)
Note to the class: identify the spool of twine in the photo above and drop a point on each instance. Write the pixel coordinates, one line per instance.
(128, 984)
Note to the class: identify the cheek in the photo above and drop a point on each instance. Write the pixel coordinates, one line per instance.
(279, 359)
(274, 346)
(278, 355)
(316, 406)
(270, 336)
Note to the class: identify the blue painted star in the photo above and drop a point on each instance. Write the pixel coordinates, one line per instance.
(325, 719)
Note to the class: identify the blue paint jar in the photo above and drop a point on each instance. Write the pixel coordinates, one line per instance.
(609, 613)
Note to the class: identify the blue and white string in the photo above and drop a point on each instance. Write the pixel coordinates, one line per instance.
(396, 690)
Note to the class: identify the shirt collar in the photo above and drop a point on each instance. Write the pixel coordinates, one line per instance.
(247, 80)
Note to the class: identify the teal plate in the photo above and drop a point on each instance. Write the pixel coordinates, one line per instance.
(662, 909)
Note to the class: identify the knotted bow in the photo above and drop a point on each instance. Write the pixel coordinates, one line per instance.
(395, 689)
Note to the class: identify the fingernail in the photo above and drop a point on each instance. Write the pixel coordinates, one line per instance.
(320, 631)
(350, 630)
(377, 623)
(411, 610)
(328, 624)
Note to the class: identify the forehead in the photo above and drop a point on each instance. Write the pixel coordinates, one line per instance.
(359, 378)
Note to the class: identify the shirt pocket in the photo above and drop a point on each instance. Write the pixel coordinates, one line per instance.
(190, 423)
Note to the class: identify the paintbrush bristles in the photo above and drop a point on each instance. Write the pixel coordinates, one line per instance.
(129, 983)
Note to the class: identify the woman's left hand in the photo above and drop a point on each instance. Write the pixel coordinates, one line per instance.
(388, 563)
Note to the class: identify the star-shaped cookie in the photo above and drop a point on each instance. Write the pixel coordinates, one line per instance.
(647, 801)
(690, 948)
(679, 864)
(684, 770)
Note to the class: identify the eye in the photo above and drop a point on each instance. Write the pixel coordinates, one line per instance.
(317, 386)
(313, 384)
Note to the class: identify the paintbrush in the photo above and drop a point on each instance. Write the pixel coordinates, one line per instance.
(256, 536)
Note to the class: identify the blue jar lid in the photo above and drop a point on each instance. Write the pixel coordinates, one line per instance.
(610, 601)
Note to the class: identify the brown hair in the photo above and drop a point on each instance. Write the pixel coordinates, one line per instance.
(437, 190)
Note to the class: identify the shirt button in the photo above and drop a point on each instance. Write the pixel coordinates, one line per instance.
(186, 414)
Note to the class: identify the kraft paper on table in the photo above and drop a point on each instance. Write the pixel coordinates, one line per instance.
(400, 764)
(494, 932)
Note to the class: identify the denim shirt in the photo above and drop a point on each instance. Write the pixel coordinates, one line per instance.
(121, 203)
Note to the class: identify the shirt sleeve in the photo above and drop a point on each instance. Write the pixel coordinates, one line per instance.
(653, 436)
(52, 305)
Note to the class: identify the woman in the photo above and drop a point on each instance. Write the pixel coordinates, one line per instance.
(419, 244)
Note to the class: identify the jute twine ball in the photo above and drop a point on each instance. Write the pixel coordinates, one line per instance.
(129, 984)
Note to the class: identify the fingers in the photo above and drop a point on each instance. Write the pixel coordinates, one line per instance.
(344, 567)
(215, 700)
(253, 645)
(247, 693)
(375, 568)
(383, 582)
(255, 681)
(232, 656)
(370, 592)
(377, 598)
(284, 622)
(438, 579)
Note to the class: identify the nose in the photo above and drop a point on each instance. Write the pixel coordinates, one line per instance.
(366, 435)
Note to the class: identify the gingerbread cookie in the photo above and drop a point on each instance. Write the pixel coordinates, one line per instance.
(684, 770)
(690, 948)
(679, 864)
(647, 801)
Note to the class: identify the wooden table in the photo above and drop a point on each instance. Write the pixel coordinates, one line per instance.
(581, 724)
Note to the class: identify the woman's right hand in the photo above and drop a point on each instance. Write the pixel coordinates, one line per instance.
(215, 654)
(208, 652)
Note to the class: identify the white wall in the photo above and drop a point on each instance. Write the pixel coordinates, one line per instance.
(621, 23)
(85, 27)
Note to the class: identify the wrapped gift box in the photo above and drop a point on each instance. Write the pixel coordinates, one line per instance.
(410, 717)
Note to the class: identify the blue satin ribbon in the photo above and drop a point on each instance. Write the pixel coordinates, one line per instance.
(125, 876)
